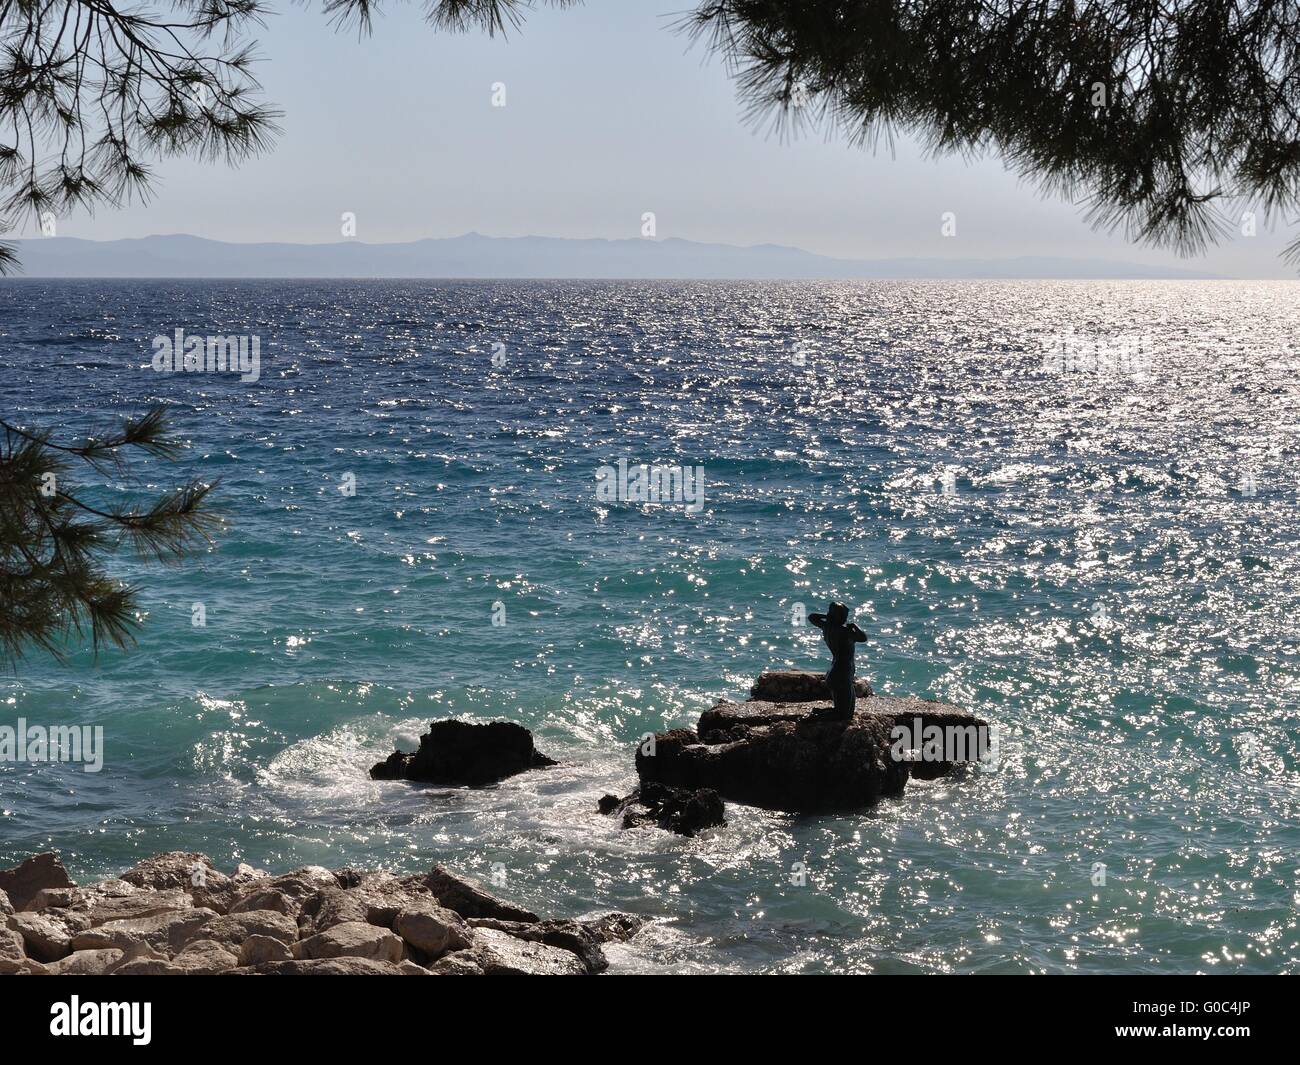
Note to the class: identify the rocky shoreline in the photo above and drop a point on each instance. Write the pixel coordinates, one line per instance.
(782, 749)
(175, 914)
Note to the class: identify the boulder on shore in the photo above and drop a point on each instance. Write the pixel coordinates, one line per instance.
(23, 881)
(794, 756)
(462, 753)
(498, 953)
(467, 897)
(582, 938)
(186, 871)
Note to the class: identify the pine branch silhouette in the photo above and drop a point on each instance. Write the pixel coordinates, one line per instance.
(1158, 119)
(54, 544)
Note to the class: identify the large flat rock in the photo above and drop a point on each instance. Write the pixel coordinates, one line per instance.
(795, 757)
(725, 715)
(798, 686)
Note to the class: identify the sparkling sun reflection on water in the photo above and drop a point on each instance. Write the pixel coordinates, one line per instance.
(1103, 564)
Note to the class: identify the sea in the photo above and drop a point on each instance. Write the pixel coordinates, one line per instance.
(1072, 507)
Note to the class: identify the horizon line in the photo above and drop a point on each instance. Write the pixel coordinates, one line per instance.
(1190, 268)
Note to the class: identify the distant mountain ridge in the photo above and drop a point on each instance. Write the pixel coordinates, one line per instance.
(475, 256)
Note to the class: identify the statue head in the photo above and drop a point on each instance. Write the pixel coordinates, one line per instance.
(837, 614)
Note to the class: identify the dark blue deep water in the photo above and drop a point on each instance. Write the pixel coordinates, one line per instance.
(1099, 555)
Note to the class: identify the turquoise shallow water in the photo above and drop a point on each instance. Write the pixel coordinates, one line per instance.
(1112, 580)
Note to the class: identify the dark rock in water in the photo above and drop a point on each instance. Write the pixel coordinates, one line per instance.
(795, 756)
(457, 752)
(685, 811)
(608, 804)
(394, 767)
(799, 686)
(614, 927)
(22, 882)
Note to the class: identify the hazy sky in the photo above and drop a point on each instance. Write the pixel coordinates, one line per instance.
(608, 114)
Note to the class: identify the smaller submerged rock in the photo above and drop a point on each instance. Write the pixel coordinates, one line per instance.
(685, 811)
(465, 754)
